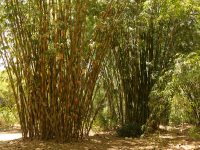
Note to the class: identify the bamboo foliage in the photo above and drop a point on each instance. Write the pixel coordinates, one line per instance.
(56, 64)
(145, 43)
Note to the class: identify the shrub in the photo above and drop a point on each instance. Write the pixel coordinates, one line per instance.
(194, 133)
(105, 121)
(130, 130)
(8, 117)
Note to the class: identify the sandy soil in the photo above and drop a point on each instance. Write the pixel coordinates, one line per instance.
(167, 138)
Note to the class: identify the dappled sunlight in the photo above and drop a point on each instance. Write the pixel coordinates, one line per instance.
(164, 139)
(187, 147)
(184, 146)
(96, 141)
(168, 136)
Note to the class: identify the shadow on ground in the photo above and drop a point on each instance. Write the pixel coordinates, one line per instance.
(165, 138)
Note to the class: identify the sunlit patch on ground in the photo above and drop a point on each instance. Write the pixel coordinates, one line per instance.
(166, 137)
(185, 147)
(9, 136)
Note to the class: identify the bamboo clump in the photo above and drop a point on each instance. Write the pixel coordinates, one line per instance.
(53, 64)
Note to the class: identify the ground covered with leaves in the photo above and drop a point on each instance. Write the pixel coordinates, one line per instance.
(165, 138)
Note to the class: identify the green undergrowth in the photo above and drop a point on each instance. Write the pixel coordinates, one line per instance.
(8, 118)
(194, 133)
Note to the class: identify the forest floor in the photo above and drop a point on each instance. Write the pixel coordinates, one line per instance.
(169, 138)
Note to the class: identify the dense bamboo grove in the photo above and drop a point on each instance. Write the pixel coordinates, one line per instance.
(56, 58)
(145, 44)
(60, 53)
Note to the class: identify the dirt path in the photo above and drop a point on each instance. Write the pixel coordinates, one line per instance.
(10, 135)
(163, 139)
